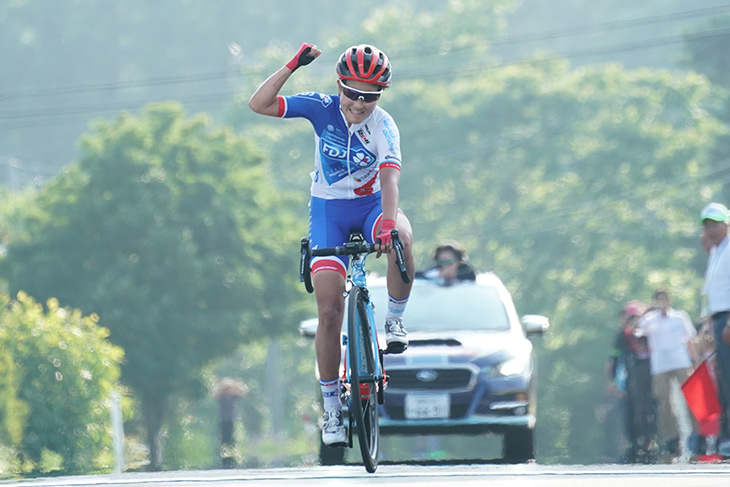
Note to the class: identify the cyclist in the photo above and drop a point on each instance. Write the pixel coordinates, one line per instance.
(354, 187)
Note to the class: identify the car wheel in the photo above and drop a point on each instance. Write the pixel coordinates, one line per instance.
(519, 445)
(331, 456)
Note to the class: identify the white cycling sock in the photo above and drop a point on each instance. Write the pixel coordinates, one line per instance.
(396, 307)
(331, 394)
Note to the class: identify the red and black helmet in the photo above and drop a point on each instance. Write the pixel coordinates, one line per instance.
(365, 63)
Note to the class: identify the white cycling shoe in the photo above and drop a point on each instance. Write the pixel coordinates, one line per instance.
(333, 431)
(396, 336)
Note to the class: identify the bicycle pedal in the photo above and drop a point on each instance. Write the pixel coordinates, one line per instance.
(395, 348)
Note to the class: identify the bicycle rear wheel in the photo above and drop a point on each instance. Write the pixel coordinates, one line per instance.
(363, 357)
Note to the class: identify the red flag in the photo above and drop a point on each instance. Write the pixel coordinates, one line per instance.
(701, 394)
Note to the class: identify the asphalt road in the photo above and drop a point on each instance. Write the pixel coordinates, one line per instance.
(414, 476)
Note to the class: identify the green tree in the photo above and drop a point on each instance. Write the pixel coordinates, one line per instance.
(707, 50)
(275, 423)
(120, 55)
(58, 370)
(709, 55)
(634, 34)
(579, 187)
(169, 230)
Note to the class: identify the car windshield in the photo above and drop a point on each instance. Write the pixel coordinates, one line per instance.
(459, 307)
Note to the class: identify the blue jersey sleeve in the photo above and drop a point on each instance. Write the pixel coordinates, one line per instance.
(310, 105)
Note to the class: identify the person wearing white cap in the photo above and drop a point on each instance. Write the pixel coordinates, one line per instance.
(715, 218)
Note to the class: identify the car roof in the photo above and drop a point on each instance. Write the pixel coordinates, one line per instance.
(489, 280)
(485, 279)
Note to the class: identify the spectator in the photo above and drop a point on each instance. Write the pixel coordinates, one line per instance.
(450, 259)
(714, 218)
(705, 341)
(669, 333)
(631, 372)
(228, 392)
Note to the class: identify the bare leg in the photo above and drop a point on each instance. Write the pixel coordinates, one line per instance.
(329, 288)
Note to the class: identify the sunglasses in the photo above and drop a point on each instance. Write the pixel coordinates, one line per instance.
(444, 262)
(365, 96)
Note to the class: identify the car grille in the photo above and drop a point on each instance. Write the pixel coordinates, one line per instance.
(452, 379)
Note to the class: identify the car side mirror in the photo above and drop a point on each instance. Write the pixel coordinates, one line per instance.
(535, 324)
(308, 328)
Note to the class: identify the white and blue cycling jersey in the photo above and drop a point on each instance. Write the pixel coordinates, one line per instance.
(345, 185)
(347, 159)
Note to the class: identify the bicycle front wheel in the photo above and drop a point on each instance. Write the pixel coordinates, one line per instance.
(363, 359)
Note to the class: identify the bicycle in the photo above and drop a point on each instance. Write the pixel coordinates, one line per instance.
(364, 377)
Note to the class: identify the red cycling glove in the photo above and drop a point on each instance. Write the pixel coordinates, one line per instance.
(301, 58)
(384, 235)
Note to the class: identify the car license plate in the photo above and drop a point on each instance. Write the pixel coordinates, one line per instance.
(427, 406)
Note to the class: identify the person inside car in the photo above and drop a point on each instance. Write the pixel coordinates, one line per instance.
(450, 264)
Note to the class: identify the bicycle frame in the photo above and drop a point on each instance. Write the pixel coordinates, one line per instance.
(358, 277)
(363, 373)
(364, 390)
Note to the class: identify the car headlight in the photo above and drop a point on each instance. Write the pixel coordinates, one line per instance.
(509, 368)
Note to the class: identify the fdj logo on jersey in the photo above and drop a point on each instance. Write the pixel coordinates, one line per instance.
(333, 151)
(324, 99)
(360, 158)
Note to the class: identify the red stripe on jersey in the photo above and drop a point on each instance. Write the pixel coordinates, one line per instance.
(394, 165)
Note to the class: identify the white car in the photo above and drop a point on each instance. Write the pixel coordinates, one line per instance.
(469, 367)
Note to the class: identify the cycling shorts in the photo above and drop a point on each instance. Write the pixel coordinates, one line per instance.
(332, 221)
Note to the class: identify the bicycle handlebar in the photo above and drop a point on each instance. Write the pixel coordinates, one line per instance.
(349, 248)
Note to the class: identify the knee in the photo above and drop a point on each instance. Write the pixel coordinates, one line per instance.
(330, 317)
(408, 243)
(406, 235)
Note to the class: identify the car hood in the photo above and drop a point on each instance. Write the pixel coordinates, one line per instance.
(461, 346)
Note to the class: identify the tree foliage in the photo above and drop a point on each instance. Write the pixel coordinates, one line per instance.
(121, 55)
(58, 370)
(171, 232)
(709, 55)
(579, 187)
